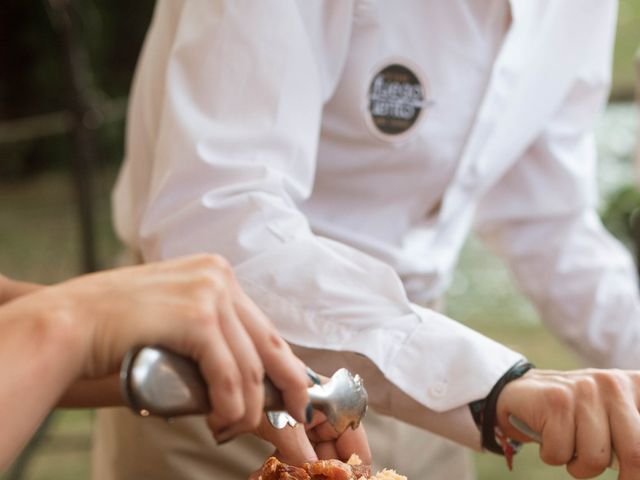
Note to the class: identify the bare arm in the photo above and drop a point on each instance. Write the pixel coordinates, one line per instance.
(98, 393)
(104, 392)
(40, 351)
(10, 289)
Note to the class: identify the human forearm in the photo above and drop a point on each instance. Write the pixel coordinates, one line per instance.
(98, 393)
(42, 345)
(83, 393)
(386, 398)
(10, 289)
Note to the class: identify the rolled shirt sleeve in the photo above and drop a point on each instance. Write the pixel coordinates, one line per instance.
(235, 156)
(542, 218)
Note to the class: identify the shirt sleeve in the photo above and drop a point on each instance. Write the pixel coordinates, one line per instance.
(542, 218)
(235, 154)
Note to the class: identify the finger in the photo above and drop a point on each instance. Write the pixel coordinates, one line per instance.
(323, 431)
(317, 418)
(292, 443)
(250, 368)
(624, 423)
(353, 441)
(348, 442)
(326, 450)
(593, 438)
(219, 369)
(558, 431)
(285, 370)
(516, 399)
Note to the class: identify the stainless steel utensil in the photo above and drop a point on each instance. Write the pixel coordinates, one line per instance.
(156, 381)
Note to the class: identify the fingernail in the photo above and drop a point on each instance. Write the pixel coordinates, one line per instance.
(309, 412)
(221, 432)
(224, 435)
(226, 440)
(315, 378)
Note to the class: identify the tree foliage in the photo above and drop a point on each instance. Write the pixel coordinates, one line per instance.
(32, 78)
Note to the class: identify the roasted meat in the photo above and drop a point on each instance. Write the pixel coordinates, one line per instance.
(273, 469)
(336, 470)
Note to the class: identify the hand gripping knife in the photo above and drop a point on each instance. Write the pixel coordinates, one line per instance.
(156, 381)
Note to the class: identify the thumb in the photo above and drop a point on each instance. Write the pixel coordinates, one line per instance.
(292, 444)
(518, 400)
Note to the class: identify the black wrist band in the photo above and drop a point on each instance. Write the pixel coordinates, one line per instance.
(484, 411)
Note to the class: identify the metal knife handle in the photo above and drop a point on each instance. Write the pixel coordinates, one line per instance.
(157, 381)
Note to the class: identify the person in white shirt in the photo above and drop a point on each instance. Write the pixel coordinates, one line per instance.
(63, 343)
(339, 153)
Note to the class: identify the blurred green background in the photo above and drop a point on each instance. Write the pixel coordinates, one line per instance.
(39, 233)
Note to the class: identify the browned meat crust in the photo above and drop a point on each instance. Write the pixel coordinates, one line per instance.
(320, 470)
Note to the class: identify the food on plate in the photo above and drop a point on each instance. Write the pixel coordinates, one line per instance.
(273, 469)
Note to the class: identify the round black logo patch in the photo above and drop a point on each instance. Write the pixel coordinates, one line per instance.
(396, 99)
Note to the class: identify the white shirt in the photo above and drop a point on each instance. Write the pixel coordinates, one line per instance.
(338, 154)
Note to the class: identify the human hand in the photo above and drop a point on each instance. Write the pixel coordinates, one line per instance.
(583, 416)
(317, 440)
(194, 306)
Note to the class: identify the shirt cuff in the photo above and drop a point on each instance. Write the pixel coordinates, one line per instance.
(445, 365)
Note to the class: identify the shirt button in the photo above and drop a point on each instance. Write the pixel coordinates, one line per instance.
(438, 389)
(505, 74)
